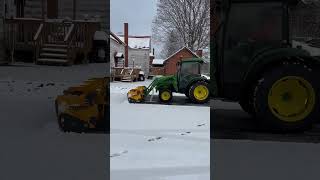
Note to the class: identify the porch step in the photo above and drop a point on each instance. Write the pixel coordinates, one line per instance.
(53, 54)
(55, 45)
(57, 55)
(126, 79)
(52, 60)
(60, 50)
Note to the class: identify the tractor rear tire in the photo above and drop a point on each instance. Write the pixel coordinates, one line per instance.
(246, 102)
(199, 92)
(286, 98)
(165, 95)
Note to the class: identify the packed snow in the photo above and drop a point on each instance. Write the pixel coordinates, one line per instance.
(151, 142)
(32, 146)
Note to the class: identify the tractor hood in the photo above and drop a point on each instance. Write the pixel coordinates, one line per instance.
(165, 82)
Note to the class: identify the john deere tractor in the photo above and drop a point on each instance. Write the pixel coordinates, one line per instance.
(188, 81)
(84, 108)
(255, 64)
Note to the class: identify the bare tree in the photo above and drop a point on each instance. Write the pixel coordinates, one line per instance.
(189, 20)
(172, 44)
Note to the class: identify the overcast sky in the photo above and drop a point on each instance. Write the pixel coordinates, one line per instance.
(138, 13)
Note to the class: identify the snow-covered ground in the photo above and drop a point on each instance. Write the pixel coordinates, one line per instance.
(32, 147)
(262, 160)
(153, 142)
(156, 142)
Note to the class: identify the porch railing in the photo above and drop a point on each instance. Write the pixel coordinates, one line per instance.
(19, 33)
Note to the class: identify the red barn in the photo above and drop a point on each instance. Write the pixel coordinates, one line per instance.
(170, 64)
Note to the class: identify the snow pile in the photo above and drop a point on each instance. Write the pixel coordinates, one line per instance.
(157, 141)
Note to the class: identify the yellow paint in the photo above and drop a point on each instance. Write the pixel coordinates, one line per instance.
(291, 99)
(201, 92)
(165, 95)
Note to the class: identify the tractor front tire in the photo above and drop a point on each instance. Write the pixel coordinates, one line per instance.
(286, 98)
(199, 92)
(165, 95)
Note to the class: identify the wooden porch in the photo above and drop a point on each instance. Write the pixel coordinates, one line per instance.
(52, 41)
(125, 74)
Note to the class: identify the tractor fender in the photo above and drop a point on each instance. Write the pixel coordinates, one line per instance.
(271, 57)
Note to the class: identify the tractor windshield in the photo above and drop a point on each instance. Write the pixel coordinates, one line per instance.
(254, 22)
(191, 68)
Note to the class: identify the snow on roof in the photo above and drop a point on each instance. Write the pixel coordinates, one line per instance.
(158, 61)
(138, 42)
(181, 50)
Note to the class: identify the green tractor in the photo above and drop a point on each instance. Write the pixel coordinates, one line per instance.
(255, 64)
(188, 81)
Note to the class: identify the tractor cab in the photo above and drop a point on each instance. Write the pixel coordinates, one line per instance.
(244, 29)
(187, 70)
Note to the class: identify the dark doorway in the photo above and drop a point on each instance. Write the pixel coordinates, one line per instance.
(20, 8)
(52, 9)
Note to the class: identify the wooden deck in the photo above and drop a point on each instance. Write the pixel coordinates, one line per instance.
(70, 36)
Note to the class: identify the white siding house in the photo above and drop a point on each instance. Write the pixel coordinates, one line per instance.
(117, 49)
(139, 51)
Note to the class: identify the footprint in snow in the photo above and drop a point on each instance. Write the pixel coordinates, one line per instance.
(118, 154)
(154, 139)
(50, 84)
(182, 134)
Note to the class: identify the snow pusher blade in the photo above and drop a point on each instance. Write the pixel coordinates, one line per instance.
(137, 94)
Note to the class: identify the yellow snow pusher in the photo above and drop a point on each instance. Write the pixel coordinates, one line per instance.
(137, 94)
(83, 108)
